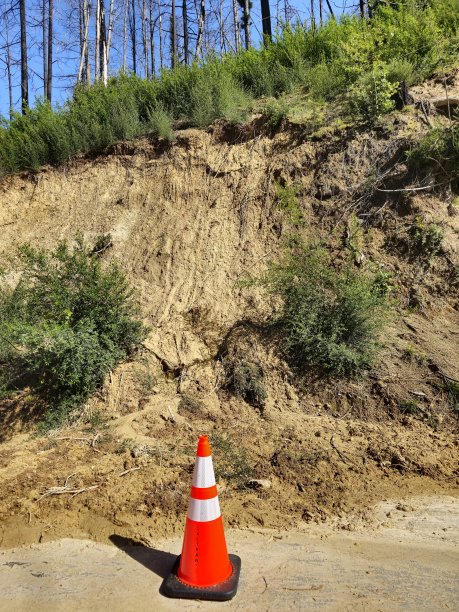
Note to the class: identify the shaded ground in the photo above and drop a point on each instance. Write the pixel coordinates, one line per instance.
(405, 558)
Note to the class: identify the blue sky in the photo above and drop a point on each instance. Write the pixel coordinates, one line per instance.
(66, 45)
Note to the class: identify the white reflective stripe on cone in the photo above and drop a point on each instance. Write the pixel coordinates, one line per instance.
(204, 510)
(203, 475)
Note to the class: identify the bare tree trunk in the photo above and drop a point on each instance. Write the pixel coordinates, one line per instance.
(133, 28)
(237, 34)
(126, 10)
(313, 17)
(161, 47)
(246, 20)
(45, 50)
(152, 40)
(266, 20)
(186, 49)
(201, 22)
(103, 44)
(97, 50)
(108, 46)
(173, 32)
(24, 71)
(362, 8)
(8, 72)
(145, 38)
(84, 57)
(49, 88)
(321, 10)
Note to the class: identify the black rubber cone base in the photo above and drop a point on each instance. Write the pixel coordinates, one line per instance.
(173, 587)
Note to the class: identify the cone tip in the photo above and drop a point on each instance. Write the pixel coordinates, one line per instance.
(203, 447)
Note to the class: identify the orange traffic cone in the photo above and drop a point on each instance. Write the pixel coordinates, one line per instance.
(204, 570)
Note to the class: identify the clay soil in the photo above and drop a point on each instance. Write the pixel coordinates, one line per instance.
(189, 221)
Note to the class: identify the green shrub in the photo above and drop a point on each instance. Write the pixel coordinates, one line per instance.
(424, 239)
(245, 380)
(452, 392)
(231, 460)
(330, 318)
(68, 321)
(409, 407)
(438, 149)
(371, 96)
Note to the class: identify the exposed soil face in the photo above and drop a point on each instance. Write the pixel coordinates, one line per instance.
(188, 222)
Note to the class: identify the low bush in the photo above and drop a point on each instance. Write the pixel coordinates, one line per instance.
(331, 318)
(371, 96)
(424, 239)
(67, 322)
(438, 150)
(245, 380)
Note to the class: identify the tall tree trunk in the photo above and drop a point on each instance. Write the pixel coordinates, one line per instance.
(237, 34)
(49, 88)
(84, 57)
(313, 17)
(201, 22)
(186, 48)
(266, 20)
(133, 28)
(97, 49)
(103, 44)
(45, 49)
(321, 11)
(246, 20)
(362, 8)
(24, 71)
(126, 10)
(173, 37)
(8, 72)
(161, 47)
(145, 39)
(108, 37)
(152, 40)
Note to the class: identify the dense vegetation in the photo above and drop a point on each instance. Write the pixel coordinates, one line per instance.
(68, 321)
(331, 317)
(355, 60)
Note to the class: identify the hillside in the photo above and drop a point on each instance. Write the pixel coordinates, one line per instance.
(189, 220)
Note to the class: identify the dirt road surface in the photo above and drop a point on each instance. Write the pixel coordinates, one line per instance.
(405, 558)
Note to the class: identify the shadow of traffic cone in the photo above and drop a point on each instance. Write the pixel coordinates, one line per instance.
(204, 570)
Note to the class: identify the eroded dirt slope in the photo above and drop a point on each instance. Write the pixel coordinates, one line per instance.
(189, 221)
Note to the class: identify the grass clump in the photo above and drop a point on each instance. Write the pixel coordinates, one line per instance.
(331, 318)
(409, 407)
(438, 149)
(424, 239)
(245, 379)
(66, 323)
(231, 460)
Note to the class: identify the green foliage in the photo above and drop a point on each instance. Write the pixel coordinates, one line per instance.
(371, 96)
(424, 239)
(331, 318)
(190, 406)
(439, 149)
(245, 380)
(402, 41)
(275, 112)
(409, 407)
(287, 202)
(452, 391)
(66, 323)
(231, 461)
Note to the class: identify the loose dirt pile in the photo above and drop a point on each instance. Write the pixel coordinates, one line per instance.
(188, 222)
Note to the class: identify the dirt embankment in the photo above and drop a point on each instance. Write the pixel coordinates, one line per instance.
(188, 221)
